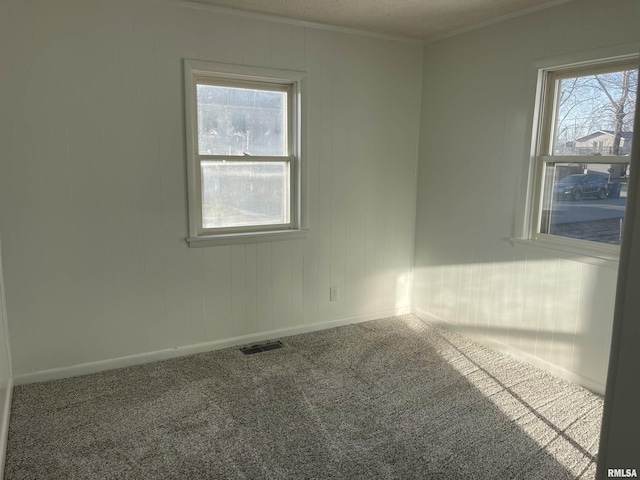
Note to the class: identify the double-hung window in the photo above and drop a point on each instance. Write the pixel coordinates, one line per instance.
(243, 148)
(582, 161)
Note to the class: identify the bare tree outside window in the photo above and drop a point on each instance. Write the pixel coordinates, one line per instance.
(595, 114)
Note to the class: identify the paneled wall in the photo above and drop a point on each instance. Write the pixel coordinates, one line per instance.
(93, 181)
(549, 307)
(6, 381)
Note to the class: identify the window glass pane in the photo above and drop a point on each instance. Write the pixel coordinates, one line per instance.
(585, 201)
(237, 193)
(238, 121)
(595, 114)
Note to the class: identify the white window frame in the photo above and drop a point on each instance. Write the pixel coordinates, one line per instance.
(543, 155)
(293, 82)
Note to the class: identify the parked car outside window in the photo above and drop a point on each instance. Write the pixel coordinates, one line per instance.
(578, 186)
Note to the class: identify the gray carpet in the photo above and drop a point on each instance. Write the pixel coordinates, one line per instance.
(395, 398)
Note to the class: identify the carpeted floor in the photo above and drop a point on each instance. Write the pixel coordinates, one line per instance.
(394, 398)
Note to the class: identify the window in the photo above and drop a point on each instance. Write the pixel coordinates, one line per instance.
(243, 148)
(582, 161)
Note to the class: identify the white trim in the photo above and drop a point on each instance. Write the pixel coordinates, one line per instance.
(493, 21)
(121, 362)
(514, 352)
(291, 21)
(355, 31)
(4, 427)
(604, 251)
(589, 159)
(250, 73)
(524, 225)
(598, 56)
(295, 81)
(246, 238)
(575, 252)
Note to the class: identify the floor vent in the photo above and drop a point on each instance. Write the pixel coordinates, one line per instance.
(263, 347)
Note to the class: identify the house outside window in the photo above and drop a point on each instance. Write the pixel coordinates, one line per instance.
(243, 150)
(582, 161)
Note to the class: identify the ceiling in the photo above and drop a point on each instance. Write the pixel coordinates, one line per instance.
(419, 19)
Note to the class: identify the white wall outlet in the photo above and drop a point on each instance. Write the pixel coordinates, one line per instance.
(333, 294)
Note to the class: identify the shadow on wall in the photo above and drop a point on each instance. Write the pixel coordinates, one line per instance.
(558, 310)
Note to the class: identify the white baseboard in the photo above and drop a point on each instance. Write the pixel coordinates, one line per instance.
(4, 427)
(572, 377)
(121, 362)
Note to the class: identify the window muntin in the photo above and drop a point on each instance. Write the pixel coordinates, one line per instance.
(243, 148)
(582, 163)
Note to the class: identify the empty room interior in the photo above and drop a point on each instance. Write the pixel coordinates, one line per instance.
(267, 239)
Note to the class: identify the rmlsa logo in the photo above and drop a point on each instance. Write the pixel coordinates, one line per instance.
(622, 472)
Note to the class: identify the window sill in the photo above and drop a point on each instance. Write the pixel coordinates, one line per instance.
(601, 257)
(244, 238)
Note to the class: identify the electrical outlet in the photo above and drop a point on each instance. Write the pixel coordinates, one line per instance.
(333, 294)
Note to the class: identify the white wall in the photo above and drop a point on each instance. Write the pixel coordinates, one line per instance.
(92, 185)
(479, 89)
(6, 380)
